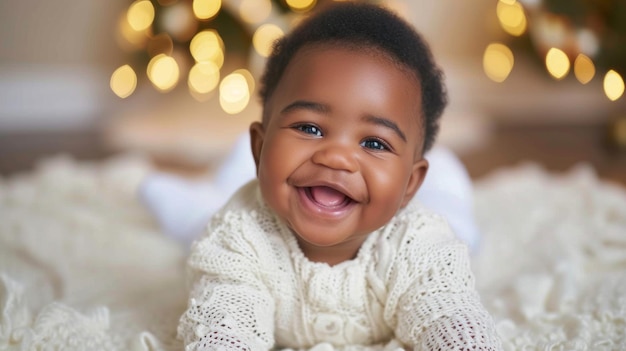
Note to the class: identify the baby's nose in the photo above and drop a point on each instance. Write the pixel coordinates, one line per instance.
(337, 156)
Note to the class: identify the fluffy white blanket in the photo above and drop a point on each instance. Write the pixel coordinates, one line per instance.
(84, 267)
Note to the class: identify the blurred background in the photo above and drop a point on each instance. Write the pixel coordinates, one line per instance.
(532, 80)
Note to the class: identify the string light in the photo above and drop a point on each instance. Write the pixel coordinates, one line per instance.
(194, 25)
(300, 5)
(557, 63)
(140, 15)
(498, 62)
(207, 46)
(584, 69)
(234, 93)
(613, 85)
(206, 9)
(163, 72)
(123, 81)
(264, 37)
(204, 77)
(511, 16)
(560, 38)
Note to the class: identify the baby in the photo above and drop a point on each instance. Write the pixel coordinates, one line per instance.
(325, 249)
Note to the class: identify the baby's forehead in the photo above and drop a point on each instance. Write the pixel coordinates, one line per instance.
(362, 47)
(308, 54)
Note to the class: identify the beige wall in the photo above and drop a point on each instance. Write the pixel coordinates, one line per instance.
(58, 32)
(454, 27)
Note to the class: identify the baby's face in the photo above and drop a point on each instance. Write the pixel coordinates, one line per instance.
(341, 151)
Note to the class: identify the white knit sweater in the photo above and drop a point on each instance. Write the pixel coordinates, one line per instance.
(253, 289)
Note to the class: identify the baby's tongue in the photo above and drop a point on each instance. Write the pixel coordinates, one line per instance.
(326, 196)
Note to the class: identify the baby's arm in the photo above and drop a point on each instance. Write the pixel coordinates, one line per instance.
(442, 311)
(432, 302)
(229, 307)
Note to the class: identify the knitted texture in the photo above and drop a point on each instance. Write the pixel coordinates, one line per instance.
(552, 267)
(253, 289)
(82, 264)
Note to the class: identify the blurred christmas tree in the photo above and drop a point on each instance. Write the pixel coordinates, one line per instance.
(589, 35)
(596, 28)
(196, 40)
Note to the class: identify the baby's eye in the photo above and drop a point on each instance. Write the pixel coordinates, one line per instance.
(375, 144)
(309, 129)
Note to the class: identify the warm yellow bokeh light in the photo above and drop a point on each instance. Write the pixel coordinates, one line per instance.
(557, 63)
(234, 93)
(123, 81)
(255, 11)
(203, 77)
(140, 15)
(249, 79)
(498, 62)
(584, 69)
(613, 85)
(206, 9)
(163, 72)
(301, 5)
(128, 38)
(207, 46)
(264, 38)
(511, 16)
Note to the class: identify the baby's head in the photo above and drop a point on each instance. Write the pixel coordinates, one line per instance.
(365, 28)
(351, 101)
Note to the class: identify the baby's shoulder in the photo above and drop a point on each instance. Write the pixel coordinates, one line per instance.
(244, 226)
(415, 221)
(415, 239)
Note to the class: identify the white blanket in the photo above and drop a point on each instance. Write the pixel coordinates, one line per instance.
(84, 267)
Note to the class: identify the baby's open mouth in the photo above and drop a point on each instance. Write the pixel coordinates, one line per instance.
(327, 197)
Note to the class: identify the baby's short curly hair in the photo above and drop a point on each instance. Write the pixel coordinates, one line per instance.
(365, 26)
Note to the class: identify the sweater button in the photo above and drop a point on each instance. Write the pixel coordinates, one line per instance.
(328, 325)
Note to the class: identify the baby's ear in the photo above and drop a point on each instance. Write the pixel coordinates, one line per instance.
(257, 136)
(418, 174)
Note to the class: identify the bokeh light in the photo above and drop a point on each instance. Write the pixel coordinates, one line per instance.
(128, 38)
(206, 9)
(207, 46)
(498, 62)
(584, 69)
(234, 93)
(613, 85)
(249, 79)
(557, 63)
(123, 81)
(264, 37)
(140, 15)
(300, 5)
(203, 77)
(163, 72)
(511, 16)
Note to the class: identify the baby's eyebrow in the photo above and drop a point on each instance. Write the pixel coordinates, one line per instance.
(385, 123)
(306, 105)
